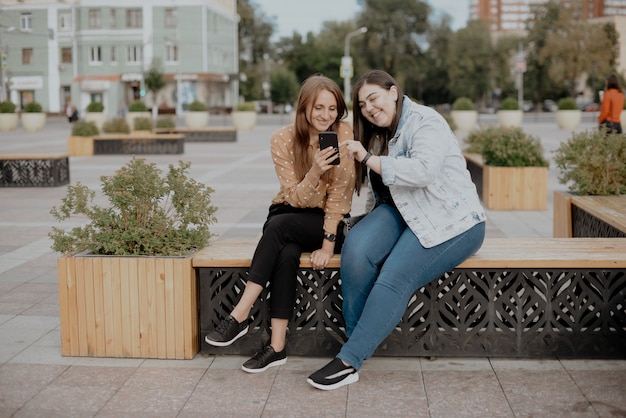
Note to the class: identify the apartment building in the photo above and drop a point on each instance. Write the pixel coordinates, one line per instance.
(54, 51)
(510, 15)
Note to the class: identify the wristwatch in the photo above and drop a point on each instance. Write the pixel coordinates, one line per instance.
(330, 237)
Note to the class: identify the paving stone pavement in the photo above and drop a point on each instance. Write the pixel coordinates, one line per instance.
(36, 381)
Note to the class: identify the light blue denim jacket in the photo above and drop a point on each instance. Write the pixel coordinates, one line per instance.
(428, 178)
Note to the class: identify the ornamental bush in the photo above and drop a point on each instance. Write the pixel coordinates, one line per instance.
(142, 124)
(463, 103)
(509, 104)
(7, 106)
(166, 122)
(149, 213)
(246, 106)
(593, 162)
(506, 147)
(84, 128)
(32, 107)
(567, 103)
(116, 126)
(95, 107)
(197, 106)
(137, 106)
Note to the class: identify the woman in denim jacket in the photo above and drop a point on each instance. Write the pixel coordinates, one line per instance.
(424, 218)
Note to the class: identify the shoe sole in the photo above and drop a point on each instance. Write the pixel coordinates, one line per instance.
(351, 378)
(226, 343)
(272, 364)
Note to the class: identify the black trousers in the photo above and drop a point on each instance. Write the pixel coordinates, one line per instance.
(287, 233)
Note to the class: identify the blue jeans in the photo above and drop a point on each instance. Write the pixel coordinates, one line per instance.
(382, 265)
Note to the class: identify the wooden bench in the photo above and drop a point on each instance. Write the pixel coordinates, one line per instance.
(217, 134)
(523, 297)
(34, 170)
(589, 216)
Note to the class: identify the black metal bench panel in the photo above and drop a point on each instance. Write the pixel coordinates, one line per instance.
(34, 172)
(526, 313)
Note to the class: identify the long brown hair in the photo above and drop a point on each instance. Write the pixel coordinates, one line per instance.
(612, 82)
(373, 138)
(311, 87)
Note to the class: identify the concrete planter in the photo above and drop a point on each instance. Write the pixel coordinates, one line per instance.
(510, 118)
(464, 120)
(8, 121)
(131, 307)
(244, 120)
(568, 119)
(196, 120)
(33, 122)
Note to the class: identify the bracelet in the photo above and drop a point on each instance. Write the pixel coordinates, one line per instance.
(330, 237)
(367, 157)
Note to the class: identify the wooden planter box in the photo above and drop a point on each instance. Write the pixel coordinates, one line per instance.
(80, 145)
(139, 307)
(589, 216)
(509, 188)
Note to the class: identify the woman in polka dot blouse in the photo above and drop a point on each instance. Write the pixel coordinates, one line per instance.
(314, 196)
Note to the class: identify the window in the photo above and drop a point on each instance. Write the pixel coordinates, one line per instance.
(134, 55)
(134, 18)
(113, 19)
(95, 18)
(113, 55)
(26, 22)
(27, 56)
(65, 22)
(171, 52)
(170, 18)
(66, 55)
(95, 55)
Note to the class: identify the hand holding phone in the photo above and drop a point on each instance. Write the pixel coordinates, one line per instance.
(329, 139)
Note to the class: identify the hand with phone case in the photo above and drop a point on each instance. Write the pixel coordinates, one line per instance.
(329, 139)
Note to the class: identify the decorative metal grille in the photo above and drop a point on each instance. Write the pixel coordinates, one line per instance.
(476, 172)
(216, 135)
(32, 172)
(585, 225)
(138, 146)
(488, 312)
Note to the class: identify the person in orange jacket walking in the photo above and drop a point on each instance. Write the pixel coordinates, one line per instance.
(612, 105)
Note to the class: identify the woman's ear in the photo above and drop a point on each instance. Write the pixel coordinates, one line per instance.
(394, 93)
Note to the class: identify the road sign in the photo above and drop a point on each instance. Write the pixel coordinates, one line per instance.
(346, 70)
(4, 60)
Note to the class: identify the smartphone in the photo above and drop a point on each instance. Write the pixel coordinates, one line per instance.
(329, 139)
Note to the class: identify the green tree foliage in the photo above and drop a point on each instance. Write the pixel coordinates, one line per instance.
(472, 52)
(284, 86)
(153, 78)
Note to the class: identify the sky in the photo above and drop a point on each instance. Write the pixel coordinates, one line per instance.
(305, 16)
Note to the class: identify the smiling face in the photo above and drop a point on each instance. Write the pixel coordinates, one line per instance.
(322, 112)
(378, 105)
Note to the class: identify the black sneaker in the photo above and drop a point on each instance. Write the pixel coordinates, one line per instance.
(264, 359)
(334, 375)
(227, 332)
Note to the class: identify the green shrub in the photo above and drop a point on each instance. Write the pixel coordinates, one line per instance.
(137, 106)
(509, 104)
(7, 106)
(142, 124)
(166, 122)
(197, 106)
(116, 126)
(594, 162)
(246, 106)
(32, 107)
(95, 107)
(463, 103)
(507, 147)
(567, 103)
(148, 213)
(84, 128)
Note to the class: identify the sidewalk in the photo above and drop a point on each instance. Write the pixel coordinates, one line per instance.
(36, 381)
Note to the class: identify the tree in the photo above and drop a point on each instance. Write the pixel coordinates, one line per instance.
(154, 81)
(469, 61)
(284, 86)
(393, 29)
(434, 82)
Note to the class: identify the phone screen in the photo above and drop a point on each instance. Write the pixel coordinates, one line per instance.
(329, 139)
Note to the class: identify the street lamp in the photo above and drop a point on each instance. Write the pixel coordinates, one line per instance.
(346, 62)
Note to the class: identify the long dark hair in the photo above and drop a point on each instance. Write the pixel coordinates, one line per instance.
(309, 91)
(612, 82)
(373, 138)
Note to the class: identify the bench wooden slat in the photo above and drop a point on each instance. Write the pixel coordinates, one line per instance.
(495, 253)
(609, 209)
